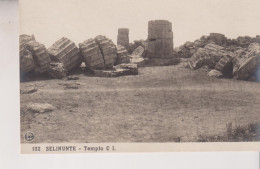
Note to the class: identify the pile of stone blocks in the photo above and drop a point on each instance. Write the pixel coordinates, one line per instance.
(160, 39)
(209, 56)
(123, 37)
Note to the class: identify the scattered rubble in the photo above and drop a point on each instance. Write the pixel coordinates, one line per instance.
(65, 51)
(132, 46)
(160, 39)
(40, 107)
(216, 54)
(119, 70)
(72, 78)
(189, 48)
(57, 70)
(215, 73)
(70, 86)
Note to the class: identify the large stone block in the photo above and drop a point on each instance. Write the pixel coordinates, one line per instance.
(66, 52)
(209, 56)
(218, 38)
(57, 70)
(122, 55)
(40, 56)
(248, 63)
(26, 58)
(159, 29)
(92, 55)
(108, 50)
(160, 48)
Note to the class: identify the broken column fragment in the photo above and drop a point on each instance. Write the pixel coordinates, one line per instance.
(225, 66)
(209, 56)
(65, 51)
(123, 37)
(91, 54)
(40, 56)
(26, 58)
(122, 55)
(108, 50)
(160, 39)
(248, 63)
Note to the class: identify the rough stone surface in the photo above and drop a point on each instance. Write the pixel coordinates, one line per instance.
(215, 73)
(123, 37)
(209, 55)
(119, 70)
(137, 55)
(66, 52)
(108, 50)
(248, 63)
(28, 90)
(217, 38)
(23, 39)
(92, 55)
(122, 55)
(26, 58)
(160, 39)
(225, 66)
(57, 70)
(160, 48)
(40, 107)
(40, 56)
(160, 29)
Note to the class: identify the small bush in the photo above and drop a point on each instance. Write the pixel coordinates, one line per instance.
(233, 134)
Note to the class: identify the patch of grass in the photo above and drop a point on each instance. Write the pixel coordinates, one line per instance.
(233, 134)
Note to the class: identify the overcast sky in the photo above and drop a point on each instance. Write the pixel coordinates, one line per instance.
(79, 20)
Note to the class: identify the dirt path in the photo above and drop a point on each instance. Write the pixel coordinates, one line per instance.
(162, 104)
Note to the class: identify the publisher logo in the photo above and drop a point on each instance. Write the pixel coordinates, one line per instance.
(29, 136)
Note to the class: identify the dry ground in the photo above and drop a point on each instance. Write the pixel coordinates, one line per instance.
(161, 104)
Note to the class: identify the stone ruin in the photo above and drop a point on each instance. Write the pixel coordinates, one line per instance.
(64, 56)
(123, 37)
(221, 57)
(160, 39)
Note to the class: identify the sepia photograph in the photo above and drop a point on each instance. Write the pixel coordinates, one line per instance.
(147, 71)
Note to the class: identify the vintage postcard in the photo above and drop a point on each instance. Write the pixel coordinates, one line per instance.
(113, 76)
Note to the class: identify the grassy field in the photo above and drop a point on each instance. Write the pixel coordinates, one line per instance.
(161, 104)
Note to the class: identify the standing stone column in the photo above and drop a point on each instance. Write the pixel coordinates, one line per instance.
(123, 37)
(160, 39)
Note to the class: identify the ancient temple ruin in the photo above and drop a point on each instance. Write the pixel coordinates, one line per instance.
(123, 37)
(160, 39)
